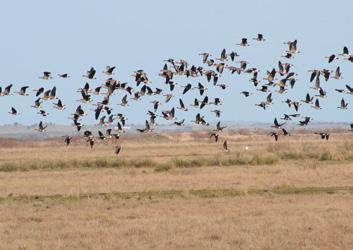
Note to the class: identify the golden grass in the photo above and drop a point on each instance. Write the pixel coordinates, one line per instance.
(178, 192)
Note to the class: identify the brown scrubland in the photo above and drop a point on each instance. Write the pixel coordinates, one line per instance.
(178, 191)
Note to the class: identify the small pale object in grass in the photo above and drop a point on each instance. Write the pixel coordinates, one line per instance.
(246, 148)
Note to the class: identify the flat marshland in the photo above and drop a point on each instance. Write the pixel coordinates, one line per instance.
(178, 191)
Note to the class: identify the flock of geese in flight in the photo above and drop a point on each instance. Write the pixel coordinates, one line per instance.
(279, 79)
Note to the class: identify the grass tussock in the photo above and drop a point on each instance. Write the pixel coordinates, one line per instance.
(237, 159)
(218, 160)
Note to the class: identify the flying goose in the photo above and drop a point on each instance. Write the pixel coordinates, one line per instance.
(7, 90)
(65, 75)
(225, 146)
(259, 38)
(43, 112)
(67, 140)
(308, 99)
(169, 114)
(223, 56)
(13, 111)
(246, 93)
(322, 93)
(215, 135)
(90, 140)
(205, 56)
(350, 90)
(219, 128)
(200, 120)
(317, 104)
(180, 123)
(59, 105)
(276, 124)
(243, 43)
(338, 73)
(41, 127)
(305, 121)
(168, 97)
(117, 150)
(331, 58)
(343, 105)
(345, 52)
(186, 88)
(217, 112)
(204, 102)
(39, 91)
(324, 135)
(37, 103)
(182, 106)
(46, 75)
(90, 73)
(275, 134)
(201, 88)
(109, 70)
(23, 91)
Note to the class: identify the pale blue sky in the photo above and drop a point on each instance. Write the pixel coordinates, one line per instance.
(71, 36)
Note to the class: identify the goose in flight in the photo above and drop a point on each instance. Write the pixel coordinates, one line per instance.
(259, 38)
(65, 75)
(246, 93)
(243, 43)
(200, 120)
(324, 135)
(225, 146)
(201, 88)
(204, 102)
(43, 112)
(67, 140)
(345, 52)
(182, 106)
(168, 97)
(169, 114)
(90, 140)
(37, 103)
(217, 112)
(219, 128)
(179, 123)
(338, 73)
(23, 91)
(109, 70)
(308, 99)
(233, 54)
(215, 135)
(350, 90)
(285, 132)
(205, 56)
(275, 135)
(46, 75)
(317, 104)
(41, 127)
(277, 124)
(39, 91)
(7, 90)
(186, 88)
(59, 105)
(331, 58)
(90, 73)
(117, 150)
(343, 105)
(322, 93)
(305, 122)
(223, 56)
(14, 111)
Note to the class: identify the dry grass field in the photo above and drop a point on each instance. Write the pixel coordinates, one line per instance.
(178, 191)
